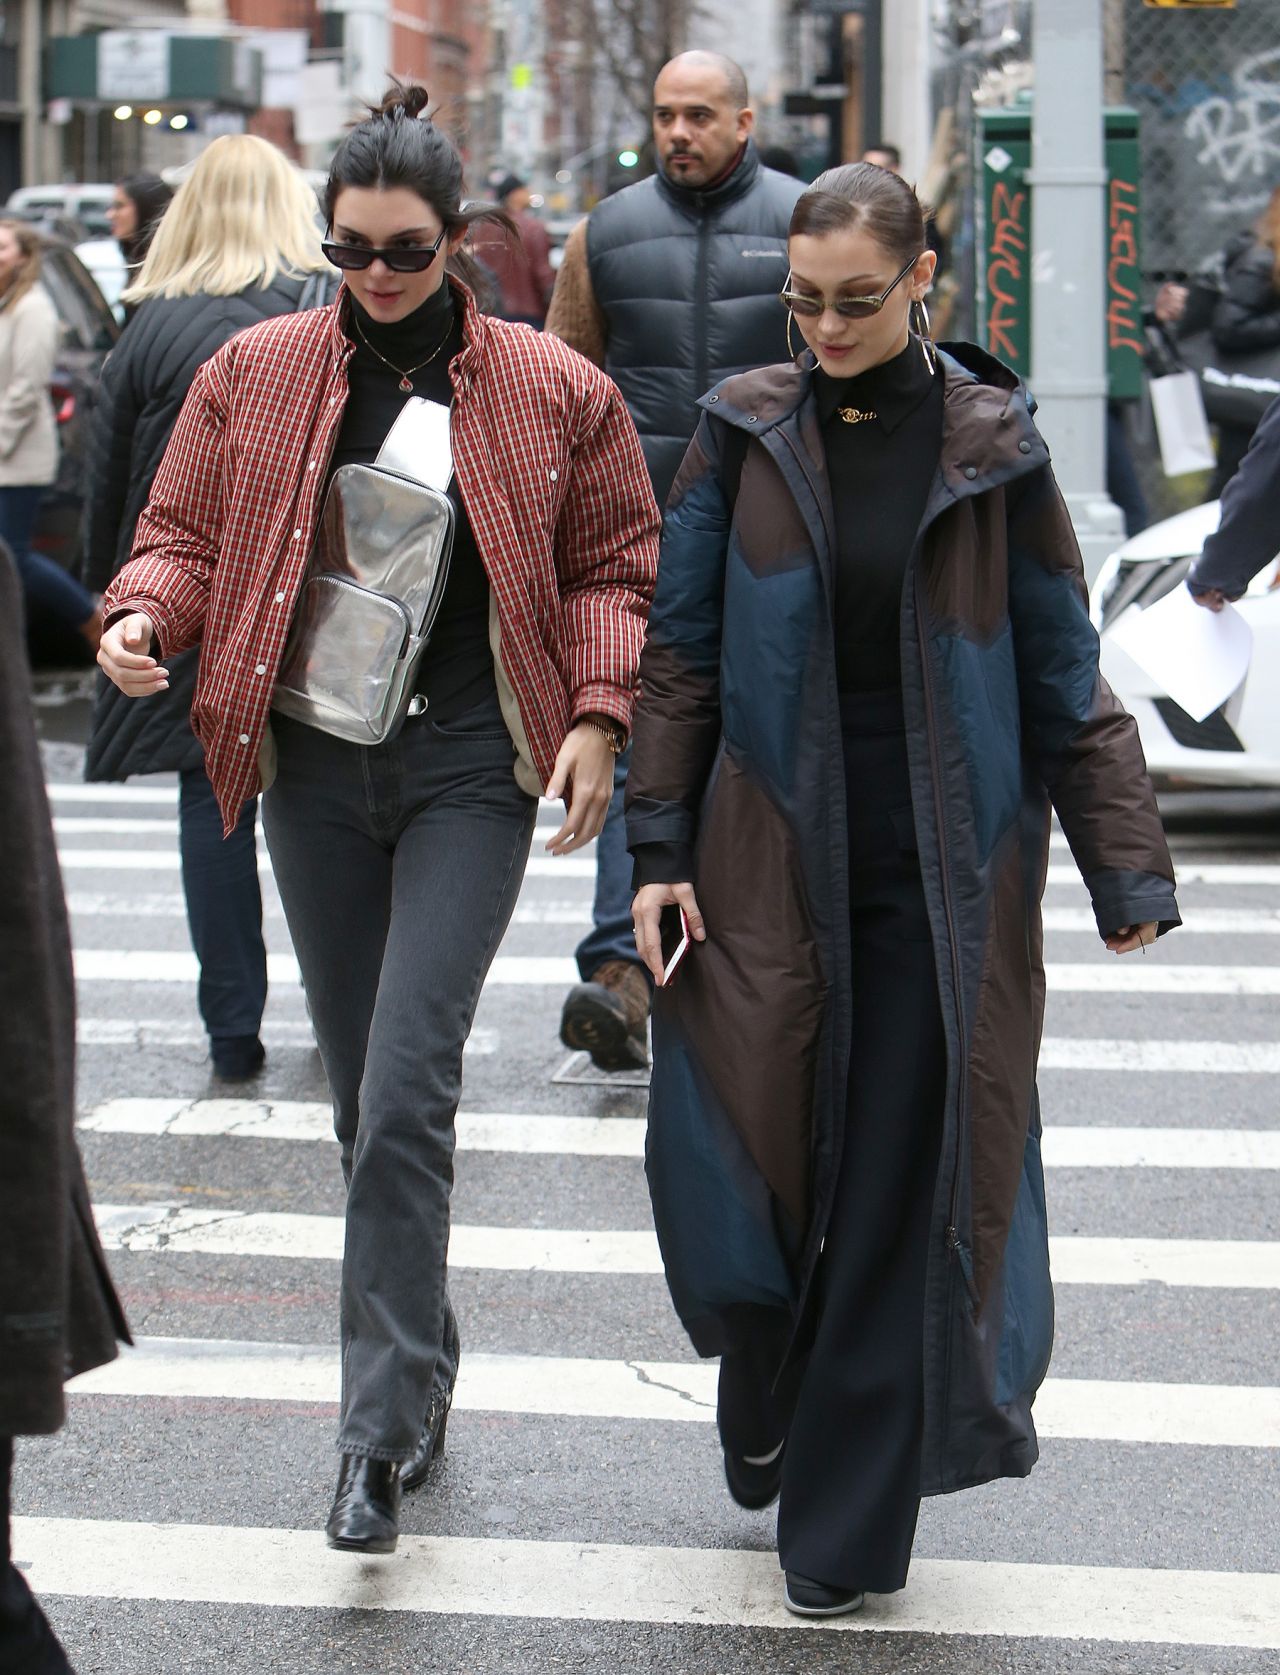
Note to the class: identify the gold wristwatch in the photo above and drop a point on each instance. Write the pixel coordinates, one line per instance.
(614, 731)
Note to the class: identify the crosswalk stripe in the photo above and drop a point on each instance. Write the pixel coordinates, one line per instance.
(177, 1229)
(79, 825)
(154, 965)
(580, 1581)
(1139, 1057)
(1065, 1146)
(144, 904)
(168, 860)
(1202, 921)
(1097, 1410)
(77, 859)
(283, 1035)
(1194, 872)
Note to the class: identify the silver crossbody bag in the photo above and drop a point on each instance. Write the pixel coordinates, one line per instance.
(374, 584)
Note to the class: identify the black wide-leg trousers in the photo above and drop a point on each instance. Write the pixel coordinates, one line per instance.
(852, 1410)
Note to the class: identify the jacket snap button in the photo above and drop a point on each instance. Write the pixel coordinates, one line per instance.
(554, 476)
(279, 598)
(244, 738)
(297, 535)
(752, 419)
(261, 669)
(713, 398)
(971, 471)
(1024, 447)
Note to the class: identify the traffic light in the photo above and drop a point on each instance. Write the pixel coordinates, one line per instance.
(628, 159)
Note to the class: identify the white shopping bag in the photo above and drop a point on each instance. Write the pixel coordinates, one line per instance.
(1181, 425)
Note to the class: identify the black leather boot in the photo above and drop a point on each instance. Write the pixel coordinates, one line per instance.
(366, 1508)
(413, 1474)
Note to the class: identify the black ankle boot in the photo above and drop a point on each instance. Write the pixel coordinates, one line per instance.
(413, 1474)
(366, 1508)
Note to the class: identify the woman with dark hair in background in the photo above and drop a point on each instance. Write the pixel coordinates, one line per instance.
(1247, 317)
(870, 674)
(399, 862)
(137, 206)
(239, 245)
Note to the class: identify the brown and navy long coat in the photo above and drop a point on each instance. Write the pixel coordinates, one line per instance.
(737, 756)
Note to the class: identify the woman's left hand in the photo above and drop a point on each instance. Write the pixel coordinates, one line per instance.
(1130, 937)
(583, 776)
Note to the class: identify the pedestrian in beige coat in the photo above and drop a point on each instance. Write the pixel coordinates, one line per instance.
(28, 429)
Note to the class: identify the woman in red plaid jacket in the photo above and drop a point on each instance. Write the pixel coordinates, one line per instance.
(399, 863)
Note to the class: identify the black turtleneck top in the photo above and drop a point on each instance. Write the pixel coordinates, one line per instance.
(456, 673)
(881, 469)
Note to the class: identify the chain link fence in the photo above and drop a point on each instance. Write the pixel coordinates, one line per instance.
(1206, 85)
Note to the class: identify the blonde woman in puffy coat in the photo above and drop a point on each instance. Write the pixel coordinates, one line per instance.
(28, 430)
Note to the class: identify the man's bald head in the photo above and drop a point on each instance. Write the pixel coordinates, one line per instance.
(701, 119)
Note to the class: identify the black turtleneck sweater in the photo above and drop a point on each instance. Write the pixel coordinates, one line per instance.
(881, 469)
(456, 672)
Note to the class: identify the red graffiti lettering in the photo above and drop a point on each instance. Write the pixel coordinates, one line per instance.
(1122, 313)
(1007, 248)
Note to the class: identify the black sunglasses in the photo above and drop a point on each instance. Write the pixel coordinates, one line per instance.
(848, 308)
(416, 259)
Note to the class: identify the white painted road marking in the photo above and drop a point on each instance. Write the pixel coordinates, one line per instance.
(168, 860)
(1100, 976)
(183, 1229)
(1096, 1410)
(284, 1035)
(1064, 1147)
(579, 1581)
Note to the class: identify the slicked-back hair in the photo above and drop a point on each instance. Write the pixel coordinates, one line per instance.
(864, 196)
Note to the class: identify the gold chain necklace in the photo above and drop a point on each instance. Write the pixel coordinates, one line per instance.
(406, 377)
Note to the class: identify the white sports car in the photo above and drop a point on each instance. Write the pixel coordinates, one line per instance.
(1238, 744)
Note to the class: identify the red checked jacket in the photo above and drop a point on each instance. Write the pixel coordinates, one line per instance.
(550, 471)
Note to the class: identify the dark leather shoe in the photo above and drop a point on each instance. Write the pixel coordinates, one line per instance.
(608, 1017)
(807, 1598)
(754, 1482)
(366, 1508)
(430, 1444)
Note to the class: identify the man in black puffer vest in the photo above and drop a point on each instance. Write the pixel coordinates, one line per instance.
(670, 286)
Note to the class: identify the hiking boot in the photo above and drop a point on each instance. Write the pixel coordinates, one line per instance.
(608, 1017)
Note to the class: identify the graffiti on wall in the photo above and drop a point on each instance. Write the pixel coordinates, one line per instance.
(1123, 307)
(1239, 137)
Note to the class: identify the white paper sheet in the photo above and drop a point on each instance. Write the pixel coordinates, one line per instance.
(1199, 657)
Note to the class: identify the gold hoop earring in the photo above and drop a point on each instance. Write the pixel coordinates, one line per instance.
(925, 333)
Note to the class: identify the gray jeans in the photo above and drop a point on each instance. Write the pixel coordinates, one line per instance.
(399, 868)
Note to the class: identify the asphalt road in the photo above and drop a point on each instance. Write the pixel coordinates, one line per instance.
(579, 1520)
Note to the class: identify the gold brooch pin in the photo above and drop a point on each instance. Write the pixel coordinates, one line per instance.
(855, 415)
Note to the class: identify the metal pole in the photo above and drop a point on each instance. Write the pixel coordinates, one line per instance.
(30, 92)
(1068, 310)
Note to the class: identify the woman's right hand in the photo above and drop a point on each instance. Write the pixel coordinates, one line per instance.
(123, 656)
(646, 912)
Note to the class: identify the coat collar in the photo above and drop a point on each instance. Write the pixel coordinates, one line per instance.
(465, 365)
(707, 200)
(988, 436)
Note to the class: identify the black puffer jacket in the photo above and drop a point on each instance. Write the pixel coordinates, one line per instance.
(688, 282)
(1248, 314)
(144, 385)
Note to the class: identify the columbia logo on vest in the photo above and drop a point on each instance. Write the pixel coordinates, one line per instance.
(777, 255)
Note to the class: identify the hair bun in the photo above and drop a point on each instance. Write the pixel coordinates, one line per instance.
(402, 100)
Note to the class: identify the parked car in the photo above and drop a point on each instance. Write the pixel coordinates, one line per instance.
(106, 265)
(79, 202)
(1239, 743)
(89, 332)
